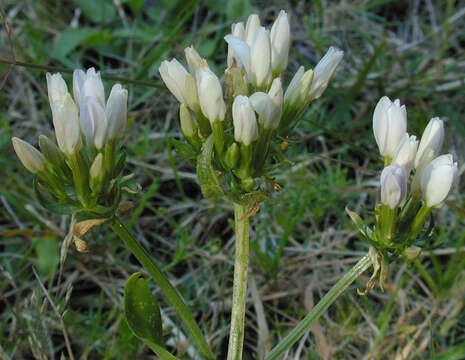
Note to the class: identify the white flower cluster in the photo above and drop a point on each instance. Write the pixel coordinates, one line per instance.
(87, 116)
(86, 130)
(434, 173)
(255, 100)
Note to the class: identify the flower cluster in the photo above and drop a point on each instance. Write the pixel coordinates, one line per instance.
(233, 134)
(81, 170)
(401, 215)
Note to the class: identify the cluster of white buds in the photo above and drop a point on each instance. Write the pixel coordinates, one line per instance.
(84, 162)
(402, 215)
(243, 120)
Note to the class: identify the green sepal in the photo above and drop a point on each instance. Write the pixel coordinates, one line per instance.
(360, 224)
(50, 202)
(142, 311)
(120, 162)
(208, 179)
(185, 149)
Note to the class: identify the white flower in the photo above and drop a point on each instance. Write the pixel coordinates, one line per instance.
(93, 121)
(210, 95)
(389, 125)
(87, 84)
(269, 106)
(406, 152)
(430, 144)
(245, 123)
(324, 71)
(180, 83)
(437, 179)
(238, 31)
(56, 86)
(32, 159)
(194, 60)
(66, 124)
(280, 42)
(296, 92)
(393, 186)
(260, 59)
(116, 112)
(253, 23)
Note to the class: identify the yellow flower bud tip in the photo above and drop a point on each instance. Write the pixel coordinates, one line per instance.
(188, 126)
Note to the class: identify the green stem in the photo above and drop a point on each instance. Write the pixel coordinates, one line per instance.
(236, 332)
(170, 292)
(331, 296)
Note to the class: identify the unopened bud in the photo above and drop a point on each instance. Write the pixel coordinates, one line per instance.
(87, 84)
(324, 71)
(210, 95)
(437, 179)
(430, 144)
(280, 41)
(411, 253)
(245, 123)
(97, 173)
(389, 125)
(260, 59)
(32, 159)
(56, 87)
(232, 156)
(116, 112)
(406, 152)
(66, 124)
(393, 186)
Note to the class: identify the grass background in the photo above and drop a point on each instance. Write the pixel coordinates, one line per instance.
(302, 241)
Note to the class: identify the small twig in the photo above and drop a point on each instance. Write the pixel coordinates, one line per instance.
(57, 313)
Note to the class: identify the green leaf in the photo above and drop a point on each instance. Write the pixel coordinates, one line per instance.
(361, 226)
(69, 40)
(249, 199)
(209, 182)
(97, 10)
(142, 311)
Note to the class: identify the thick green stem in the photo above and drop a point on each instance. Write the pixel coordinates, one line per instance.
(331, 296)
(170, 292)
(236, 332)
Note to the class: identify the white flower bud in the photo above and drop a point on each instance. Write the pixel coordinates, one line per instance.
(66, 124)
(406, 152)
(437, 179)
(238, 31)
(116, 112)
(389, 125)
(269, 106)
(430, 144)
(93, 121)
(296, 92)
(280, 41)
(324, 71)
(56, 86)
(87, 84)
(240, 51)
(194, 60)
(210, 95)
(260, 59)
(253, 23)
(245, 123)
(32, 159)
(393, 186)
(180, 83)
